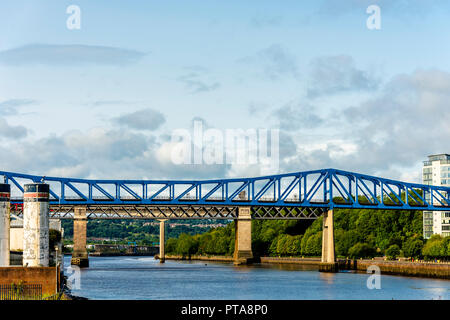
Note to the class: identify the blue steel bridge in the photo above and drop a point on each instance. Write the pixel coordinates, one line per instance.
(298, 195)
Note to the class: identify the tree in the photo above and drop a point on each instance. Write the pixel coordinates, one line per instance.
(273, 247)
(361, 250)
(358, 233)
(288, 245)
(186, 245)
(171, 245)
(221, 245)
(203, 242)
(433, 247)
(295, 249)
(413, 247)
(393, 252)
(432, 250)
(445, 244)
(344, 240)
(54, 238)
(282, 245)
(313, 245)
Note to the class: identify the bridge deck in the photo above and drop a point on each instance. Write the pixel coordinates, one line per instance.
(326, 188)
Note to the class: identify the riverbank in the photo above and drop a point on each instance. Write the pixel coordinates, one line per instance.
(402, 268)
(198, 257)
(405, 268)
(120, 254)
(112, 250)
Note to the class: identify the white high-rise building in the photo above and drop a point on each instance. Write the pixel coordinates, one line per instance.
(436, 171)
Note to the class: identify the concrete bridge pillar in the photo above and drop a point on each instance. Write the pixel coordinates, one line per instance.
(5, 192)
(243, 237)
(162, 240)
(79, 255)
(35, 225)
(328, 262)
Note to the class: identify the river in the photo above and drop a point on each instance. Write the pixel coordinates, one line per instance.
(137, 278)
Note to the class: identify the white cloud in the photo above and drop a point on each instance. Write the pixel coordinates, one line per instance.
(389, 134)
(11, 106)
(68, 55)
(10, 131)
(335, 74)
(297, 116)
(145, 119)
(198, 79)
(273, 62)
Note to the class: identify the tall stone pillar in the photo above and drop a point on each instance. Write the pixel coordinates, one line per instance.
(79, 255)
(162, 240)
(328, 262)
(5, 192)
(35, 225)
(243, 237)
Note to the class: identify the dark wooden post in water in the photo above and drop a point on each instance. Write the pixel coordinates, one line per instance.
(79, 255)
(328, 262)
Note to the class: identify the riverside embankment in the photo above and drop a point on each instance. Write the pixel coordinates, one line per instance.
(198, 257)
(403, 268)
(111, 250)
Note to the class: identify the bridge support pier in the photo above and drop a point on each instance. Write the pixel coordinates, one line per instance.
(36, 225)
(243, 237)
(5, 193)
(162, 240)
(79, 255)
(328, 262)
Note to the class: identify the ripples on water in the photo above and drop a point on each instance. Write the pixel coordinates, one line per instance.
(134, 278)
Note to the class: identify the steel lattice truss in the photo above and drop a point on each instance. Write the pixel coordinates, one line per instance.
(178, 212)
(284, 213)
(327, 188)
(141, 212)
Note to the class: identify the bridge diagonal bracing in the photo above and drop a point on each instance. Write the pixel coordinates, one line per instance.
(325, 188)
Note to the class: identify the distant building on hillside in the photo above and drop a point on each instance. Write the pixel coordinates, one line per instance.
(436, 171)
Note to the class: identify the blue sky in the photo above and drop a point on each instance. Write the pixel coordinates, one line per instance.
(344, 96)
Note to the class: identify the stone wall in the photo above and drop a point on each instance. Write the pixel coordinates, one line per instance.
(195, 257)
(306, 261)
(46, 276)
(413, 269)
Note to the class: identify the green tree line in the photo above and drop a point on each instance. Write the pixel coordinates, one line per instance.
(136, 230)
(358, 234)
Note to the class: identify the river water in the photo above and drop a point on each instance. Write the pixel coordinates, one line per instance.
(137, 278)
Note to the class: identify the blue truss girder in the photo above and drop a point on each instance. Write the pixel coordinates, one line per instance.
(326, 188)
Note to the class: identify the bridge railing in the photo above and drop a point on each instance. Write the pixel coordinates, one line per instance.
(325, 188)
